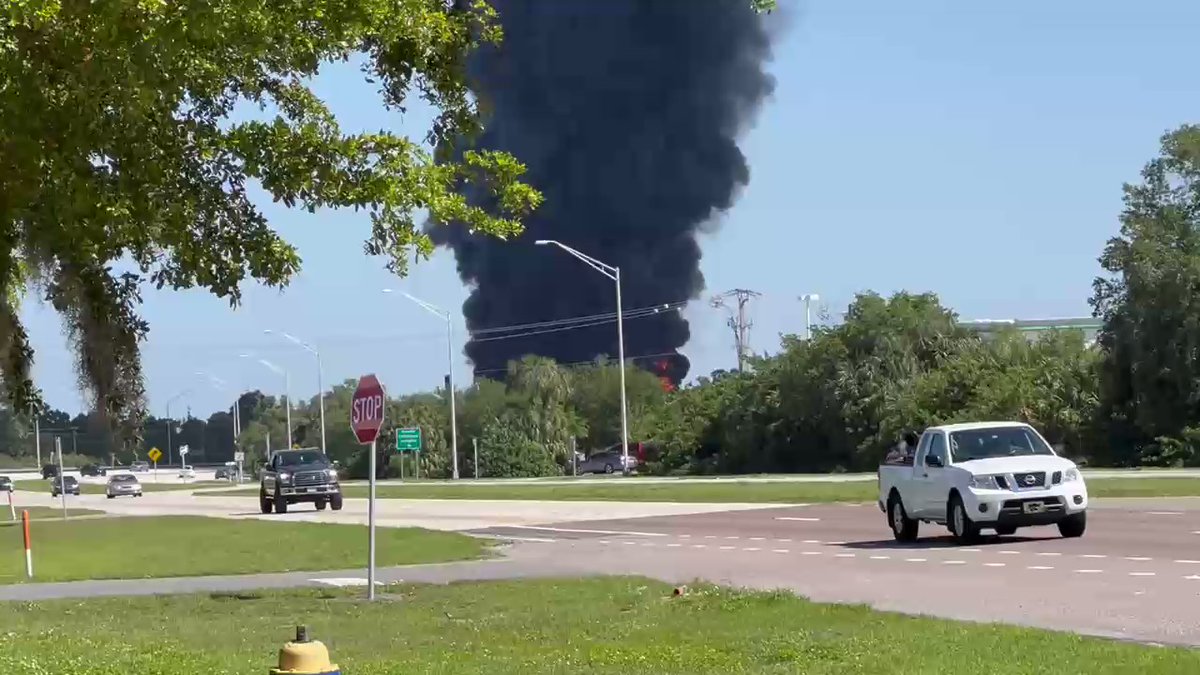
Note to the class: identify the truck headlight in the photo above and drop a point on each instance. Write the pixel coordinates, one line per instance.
(984, 483)
(1070, 475)
(332, 473)
(284, 477)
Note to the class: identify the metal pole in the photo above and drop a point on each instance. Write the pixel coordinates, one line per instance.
(321, 400)
(807, 318)
(37, 432)
(62, 482)
(475, 444)
(287, 388)
(574, 458)
(621, 358)
(170, 424)
(453, 417)
(371, 526)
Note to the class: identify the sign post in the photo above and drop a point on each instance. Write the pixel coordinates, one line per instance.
(366, 417)
(155, 454)
(62, 476)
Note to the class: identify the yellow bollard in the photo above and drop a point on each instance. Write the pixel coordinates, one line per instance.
(304, 657)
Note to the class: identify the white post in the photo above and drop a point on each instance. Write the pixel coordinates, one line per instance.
(37, 442)
(12, 510)
(453, 417)
(287, 389)
(475, 444)
(621, 358)
(62, 478)
(321, 399)
(371, 525)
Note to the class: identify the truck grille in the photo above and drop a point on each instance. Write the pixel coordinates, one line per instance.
(310, 478)
(1025, 481)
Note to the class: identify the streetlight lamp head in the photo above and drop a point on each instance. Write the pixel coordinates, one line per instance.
(267, 331)
(542, 242)
(388, 290)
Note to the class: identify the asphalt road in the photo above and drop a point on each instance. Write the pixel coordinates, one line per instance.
(1134, 575)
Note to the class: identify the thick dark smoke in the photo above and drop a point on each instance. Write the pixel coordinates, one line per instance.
(627, 113)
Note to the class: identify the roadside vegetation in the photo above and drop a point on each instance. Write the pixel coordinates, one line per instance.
(148, 547)
(612, 625)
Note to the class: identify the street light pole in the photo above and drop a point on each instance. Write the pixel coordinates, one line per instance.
(445, 316)
(614, 273)
(171, 422)
(808, 300)
(320, 383)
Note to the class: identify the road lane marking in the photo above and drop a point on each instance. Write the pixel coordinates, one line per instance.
(758, 538)
(799, 520)
(581, 531)
(812, 541)
(1136, 558)
(1164, 513)
(629, 543)
(915, 560)
(674, 545)
(1039, 567)
(780, 550)
(993, 564)
(1093, 555)
(784, 541)
(699, 545)
(1193, 577)
(603, 541)
(710, 536)
(881, 557)
(685, 536)
(649, 544)
(1049, 553)
(1141, 574)
(732, 538)
(1089, 571)
(844, 555)
(728, 548)
(536, 540)
(810, 553)
(752, 548)
(834, 543)
(1010, 553)
(1188, 562)
(954, 562)
(971, 550)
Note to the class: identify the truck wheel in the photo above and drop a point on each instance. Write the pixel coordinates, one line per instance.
(1006, 530)
(320, 504)
(280, 503)
(1073, 525)
(964, 531)
(335, 502)
(608, 468)
(264, 504)
(903, 527)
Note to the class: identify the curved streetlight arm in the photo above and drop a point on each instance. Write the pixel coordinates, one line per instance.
(604, 268)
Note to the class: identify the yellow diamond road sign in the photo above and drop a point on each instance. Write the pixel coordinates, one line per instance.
(155, 454)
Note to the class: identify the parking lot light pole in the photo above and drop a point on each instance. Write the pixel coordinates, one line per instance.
(614, 273)
(171, 422)
(445, 316)
(320, 383)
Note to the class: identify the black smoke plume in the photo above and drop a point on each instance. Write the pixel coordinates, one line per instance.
(627, 113)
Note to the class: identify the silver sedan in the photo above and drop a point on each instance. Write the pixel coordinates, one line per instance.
(123, 485)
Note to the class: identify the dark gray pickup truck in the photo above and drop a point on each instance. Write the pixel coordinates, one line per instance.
(294, 476)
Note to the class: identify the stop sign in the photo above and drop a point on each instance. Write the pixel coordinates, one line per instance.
(366, 410)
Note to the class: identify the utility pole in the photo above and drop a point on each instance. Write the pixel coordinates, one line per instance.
(738, 321)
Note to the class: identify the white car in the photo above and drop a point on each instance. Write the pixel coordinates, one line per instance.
(187, 473)
(123, 485)
(990, 475)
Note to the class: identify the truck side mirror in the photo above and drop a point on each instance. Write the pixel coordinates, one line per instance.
(934, 461)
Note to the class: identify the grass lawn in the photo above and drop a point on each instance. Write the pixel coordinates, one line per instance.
(37, 513)
(613, 625)
(143, 547)
(630, 490)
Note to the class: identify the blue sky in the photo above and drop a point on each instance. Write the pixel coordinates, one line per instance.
(972, 150)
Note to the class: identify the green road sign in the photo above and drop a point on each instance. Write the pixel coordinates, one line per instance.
(408, 440)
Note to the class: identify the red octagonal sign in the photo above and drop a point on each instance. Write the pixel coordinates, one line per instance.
(366, 411)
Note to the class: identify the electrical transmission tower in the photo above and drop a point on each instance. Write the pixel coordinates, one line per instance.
(738, 320)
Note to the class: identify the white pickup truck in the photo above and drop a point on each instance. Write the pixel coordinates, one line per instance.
(992, 475)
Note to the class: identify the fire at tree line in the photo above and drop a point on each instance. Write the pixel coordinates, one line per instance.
(831, 403)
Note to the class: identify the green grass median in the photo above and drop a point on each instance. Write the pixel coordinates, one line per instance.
(598, 626)
(715, 491)
(146, 547)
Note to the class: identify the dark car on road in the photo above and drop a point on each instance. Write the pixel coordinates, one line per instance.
(91, 470)
(6, 484)
(49, 471)
(68, 484)
(294, 476)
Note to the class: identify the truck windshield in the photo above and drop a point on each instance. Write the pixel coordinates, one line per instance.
(996, 442)
(302, 457)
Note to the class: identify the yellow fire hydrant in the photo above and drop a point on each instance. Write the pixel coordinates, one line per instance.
(304, 657)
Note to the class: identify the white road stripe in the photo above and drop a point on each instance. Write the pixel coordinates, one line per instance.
(915, 560)
(993, 564)
(752, 548)
(812, 541)
(674, 545)
(685, 536)
(1089, 571)
(1039, 567)
(1193, 577)
(1188, 562)
(1138, 558)
(779, 550)
(954, 562)
(728, 548)
(758, 538)
(699, 545)
(844, 555)
(810, 553)
(1010, 553)
(710, 536)
(603, 541)
(800, 520)
(1164, 513)
(581, 531)
(881, 557)
(971, 550)
(732, 538)
(1141, 574)
(784, 541)
(1049, 553)
(1093, 555)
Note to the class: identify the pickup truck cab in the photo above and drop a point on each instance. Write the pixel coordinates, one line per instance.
(989, 475)
(293, 476)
